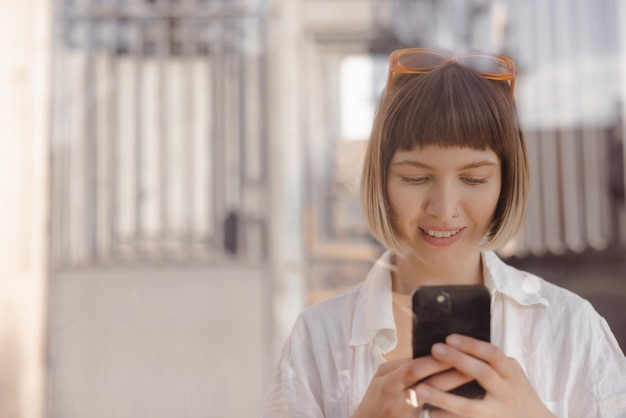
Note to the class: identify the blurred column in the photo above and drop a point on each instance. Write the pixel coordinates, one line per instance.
(622, 66)
(286, 163)
(24, 74)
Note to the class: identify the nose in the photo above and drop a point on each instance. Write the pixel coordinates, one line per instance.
(442, 203)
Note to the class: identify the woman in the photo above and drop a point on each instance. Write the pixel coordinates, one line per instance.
(445, 182)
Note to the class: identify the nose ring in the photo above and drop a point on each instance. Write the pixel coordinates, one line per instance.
(456, 213)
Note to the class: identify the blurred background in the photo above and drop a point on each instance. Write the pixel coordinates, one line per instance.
(179, 179)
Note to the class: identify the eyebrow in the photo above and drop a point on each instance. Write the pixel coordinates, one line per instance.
(475, 164)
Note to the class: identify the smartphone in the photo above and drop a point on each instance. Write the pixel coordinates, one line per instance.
(443, 310)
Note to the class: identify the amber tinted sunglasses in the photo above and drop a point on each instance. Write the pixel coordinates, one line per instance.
(424, 60)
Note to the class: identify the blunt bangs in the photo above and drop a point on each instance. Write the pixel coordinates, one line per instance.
(450, 107)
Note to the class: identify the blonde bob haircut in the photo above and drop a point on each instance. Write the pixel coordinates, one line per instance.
(451, 106)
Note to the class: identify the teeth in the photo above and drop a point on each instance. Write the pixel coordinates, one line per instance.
(442, 234)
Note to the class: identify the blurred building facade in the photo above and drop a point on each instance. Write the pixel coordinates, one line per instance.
(160, 285)
(203, 181)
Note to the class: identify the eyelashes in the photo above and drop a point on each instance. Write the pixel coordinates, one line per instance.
(472, 181)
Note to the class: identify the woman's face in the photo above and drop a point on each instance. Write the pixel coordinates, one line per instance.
(443, 200)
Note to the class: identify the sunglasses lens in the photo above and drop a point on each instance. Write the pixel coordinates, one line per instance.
(486, 64)
(420, 60)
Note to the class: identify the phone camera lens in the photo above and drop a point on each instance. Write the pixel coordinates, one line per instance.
(434, 306)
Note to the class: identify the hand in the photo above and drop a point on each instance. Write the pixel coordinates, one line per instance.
(509, 393)
(389, 393)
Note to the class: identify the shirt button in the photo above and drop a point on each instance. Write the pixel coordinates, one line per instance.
(531, 285)
(384, 342)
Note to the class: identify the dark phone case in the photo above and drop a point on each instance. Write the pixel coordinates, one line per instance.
(461, 310)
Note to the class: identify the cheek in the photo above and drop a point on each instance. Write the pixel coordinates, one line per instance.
(394, 209)
(403, 203)
(399, 209)
(486, 206)
(392, 197)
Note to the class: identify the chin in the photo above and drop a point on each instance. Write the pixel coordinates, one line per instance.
(433, 255)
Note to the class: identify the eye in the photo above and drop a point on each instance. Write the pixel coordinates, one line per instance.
(415, 180)
(473, 181)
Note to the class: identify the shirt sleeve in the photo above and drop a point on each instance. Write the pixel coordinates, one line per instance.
(602, 383)
(295, 388)
(611, 372)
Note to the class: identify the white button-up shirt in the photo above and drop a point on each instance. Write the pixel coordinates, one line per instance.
(566, 348)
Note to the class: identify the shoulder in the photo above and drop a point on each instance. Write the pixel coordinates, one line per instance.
(556, 296)
(562, 297)
(528, 289)
(365, 299)
(552, 308)
(582, 343)
(310, 358)
(330, 314)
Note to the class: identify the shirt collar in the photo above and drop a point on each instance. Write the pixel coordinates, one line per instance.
(373, 312)
(524, 288)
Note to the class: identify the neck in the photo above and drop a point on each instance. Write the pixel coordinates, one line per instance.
(411, 273)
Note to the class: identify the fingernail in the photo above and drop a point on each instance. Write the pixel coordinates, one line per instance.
(440, 349)
(423, 392)
(452, 340)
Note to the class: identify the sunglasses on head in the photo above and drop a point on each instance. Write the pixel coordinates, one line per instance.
(424, 60)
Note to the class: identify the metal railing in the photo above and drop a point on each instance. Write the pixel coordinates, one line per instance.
(158, 133)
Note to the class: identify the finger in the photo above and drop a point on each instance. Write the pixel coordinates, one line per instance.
(440, 413)
(448, 380)
(484, 351)
(413, 371)
(471, 366)
(390, 366)
(452, 404)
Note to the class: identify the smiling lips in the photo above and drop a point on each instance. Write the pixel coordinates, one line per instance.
(440, 238)
(441, 234)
